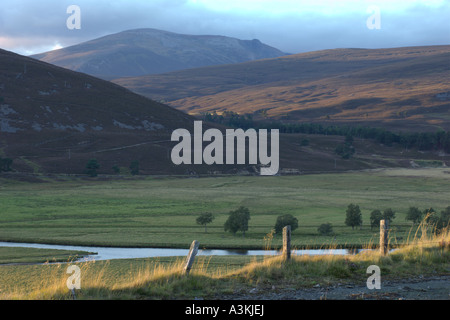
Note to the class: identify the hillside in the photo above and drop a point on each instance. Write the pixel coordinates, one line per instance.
(398, 88)
(151, 51)
(55, 120)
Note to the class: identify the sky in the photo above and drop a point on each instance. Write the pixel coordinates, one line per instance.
(293, 26)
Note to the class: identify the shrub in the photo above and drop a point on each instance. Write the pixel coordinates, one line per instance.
(285, 220)
(134, 168)
(325, 229)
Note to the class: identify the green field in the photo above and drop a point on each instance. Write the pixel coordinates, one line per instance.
(12, 255)
(161, 211)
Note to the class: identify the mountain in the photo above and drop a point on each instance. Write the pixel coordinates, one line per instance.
(55, 120)
(398, 88)
(150, 51)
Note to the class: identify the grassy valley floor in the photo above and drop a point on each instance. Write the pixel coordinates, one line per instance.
(162, 211)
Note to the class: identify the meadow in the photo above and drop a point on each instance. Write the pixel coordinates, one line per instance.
(216, 277)
(162, 211)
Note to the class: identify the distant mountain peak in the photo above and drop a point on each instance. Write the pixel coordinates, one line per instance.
(139, 52)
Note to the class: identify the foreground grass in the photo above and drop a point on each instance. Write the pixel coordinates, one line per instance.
(213, 277)
(149, 212)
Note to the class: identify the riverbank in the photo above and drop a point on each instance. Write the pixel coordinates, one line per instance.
(235, 277)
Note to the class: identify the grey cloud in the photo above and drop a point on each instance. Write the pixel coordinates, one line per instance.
(44, 22)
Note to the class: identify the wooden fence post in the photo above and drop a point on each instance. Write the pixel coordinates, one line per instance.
(287, 243)
(384, 237)
(191, 256)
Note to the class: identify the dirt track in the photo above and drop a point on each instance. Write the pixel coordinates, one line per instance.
(429, 288)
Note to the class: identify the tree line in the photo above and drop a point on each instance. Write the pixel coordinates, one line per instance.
(238, 219)
(439, 140)
(93, 165)
(414, 214)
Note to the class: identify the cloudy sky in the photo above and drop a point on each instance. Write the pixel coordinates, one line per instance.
(30, 26)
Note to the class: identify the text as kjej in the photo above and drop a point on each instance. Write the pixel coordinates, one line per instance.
(239, 309)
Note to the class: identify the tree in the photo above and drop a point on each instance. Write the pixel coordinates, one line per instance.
(443, 220)
(375, 217)
(349, 139)
(437, 221)
(5, 164)
(91, 167)
(445, 215)
(345, 151)
(238, 221)
(389, 214)
(116, 169)
(353, 217)
(429, 216)
(304, 143)
(325, 229)
(204, 219)
(134, 168)
(286, 220)
(414, 215)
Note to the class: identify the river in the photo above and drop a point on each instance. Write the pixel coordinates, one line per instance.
(111, 253)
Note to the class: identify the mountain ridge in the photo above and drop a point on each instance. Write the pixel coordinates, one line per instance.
(405, 87)
(151, 51)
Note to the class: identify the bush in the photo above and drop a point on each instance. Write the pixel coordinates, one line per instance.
(325, 229)
(285, 220)
(345, 151)
(116, 169)
(134, 168)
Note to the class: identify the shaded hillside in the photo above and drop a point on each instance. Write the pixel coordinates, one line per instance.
(55, 120)
(151, 51)
(399, 88)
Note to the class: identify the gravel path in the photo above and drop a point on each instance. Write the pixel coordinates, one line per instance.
(421, 288)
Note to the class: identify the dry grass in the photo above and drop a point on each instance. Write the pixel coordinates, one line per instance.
(425, 253)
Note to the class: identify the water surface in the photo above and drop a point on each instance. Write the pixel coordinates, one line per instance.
(111, 253)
